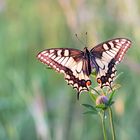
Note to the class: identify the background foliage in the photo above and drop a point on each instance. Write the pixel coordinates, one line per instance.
(37, 104)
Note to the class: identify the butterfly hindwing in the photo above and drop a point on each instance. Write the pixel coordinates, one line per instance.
(107, 55)
(71, 63)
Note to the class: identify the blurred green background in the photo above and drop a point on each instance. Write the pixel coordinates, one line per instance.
(36, 103)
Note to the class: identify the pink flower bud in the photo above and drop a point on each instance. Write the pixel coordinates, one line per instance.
(101, 100)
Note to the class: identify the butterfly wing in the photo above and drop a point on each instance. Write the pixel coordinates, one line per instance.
(71, 63)
(105, 56)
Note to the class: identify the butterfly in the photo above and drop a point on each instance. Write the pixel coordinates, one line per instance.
(77, 65)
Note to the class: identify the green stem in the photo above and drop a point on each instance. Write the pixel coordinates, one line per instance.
(93, 97)
(112, 124)
(95, 90)
(103, 125)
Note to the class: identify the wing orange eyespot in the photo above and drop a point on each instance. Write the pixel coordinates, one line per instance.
(88, 83)
(99, 80)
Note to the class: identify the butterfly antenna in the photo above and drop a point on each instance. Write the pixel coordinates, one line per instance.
(86, 39)
(79, 39)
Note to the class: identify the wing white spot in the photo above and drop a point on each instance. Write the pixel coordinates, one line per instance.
(67, 77)
(50, 55)
(51, 51)
(117, 40)
(46, 54)
(113, 69)
(70, 63)
(101, 65)
(101, 73)
(128, 42)
(59, 52)
(47, 61)
(112, 75)
(66, 53)
(75, 73)
(57, 69)
(64, 61)
(79, 66)
(105, 47)
(70, 82)
(111, 54)
(119, 59)
(80, 88)
(106, 56)
(41, 57)
(54, 66)
(123, 41)
(86, 77)
(117, 46)
(62, 71)
(81, 75)
(57, 58)
(111, 44)
(107, 84)
(112, 51)
(60, 60)
(53, 57)
(76, 85)
(115, 49)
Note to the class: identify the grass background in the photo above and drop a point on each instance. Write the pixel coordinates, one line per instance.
(37, 104)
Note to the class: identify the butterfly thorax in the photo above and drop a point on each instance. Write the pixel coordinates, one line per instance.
(86, 53)
(86, 58)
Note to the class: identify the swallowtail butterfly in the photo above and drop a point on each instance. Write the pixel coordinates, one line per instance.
(77, 65)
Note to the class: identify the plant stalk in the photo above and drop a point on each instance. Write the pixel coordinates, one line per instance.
(103, 125)
(112, 124)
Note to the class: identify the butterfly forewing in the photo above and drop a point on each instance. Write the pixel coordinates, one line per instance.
(106, 56)
(71, 63)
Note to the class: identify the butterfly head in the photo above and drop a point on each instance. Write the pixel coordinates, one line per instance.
(86, 49)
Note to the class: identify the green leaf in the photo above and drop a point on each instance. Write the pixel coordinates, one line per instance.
(91, 112)
(48, 68)
(94, 73)
(94, 91)
(101, 106)
(93, 96)
(112, 102)
(90, 107)
(114, 87)
(117, 76)
(111, 98)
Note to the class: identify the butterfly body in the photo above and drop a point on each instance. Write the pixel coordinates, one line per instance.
(77, 65)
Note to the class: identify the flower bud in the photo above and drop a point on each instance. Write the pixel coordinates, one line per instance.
(101, 100)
